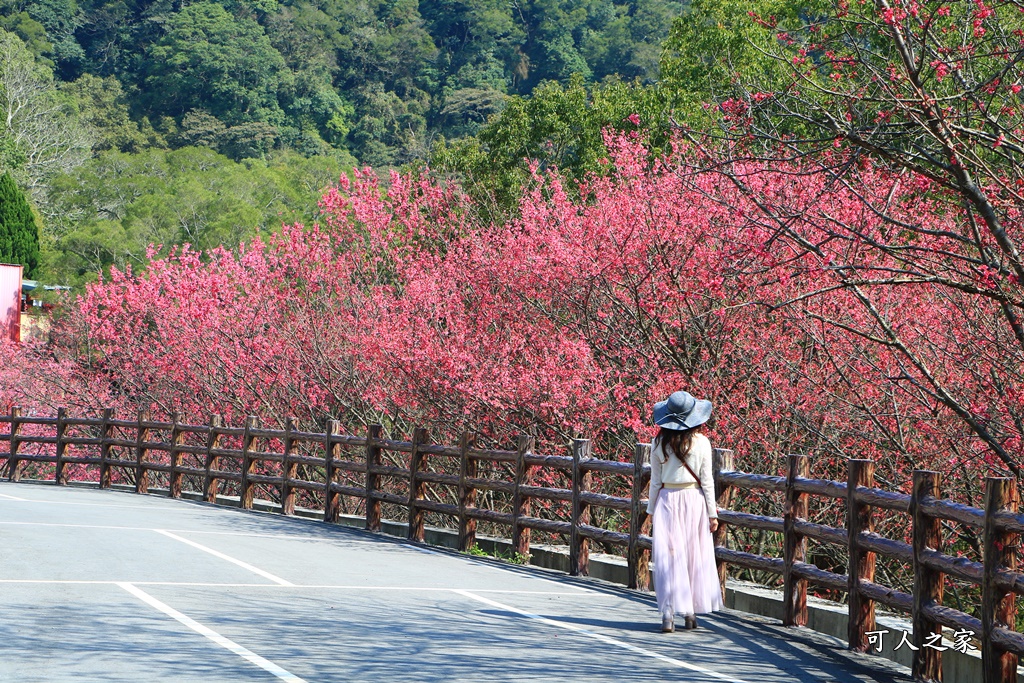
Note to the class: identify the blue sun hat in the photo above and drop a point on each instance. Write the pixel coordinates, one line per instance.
(681, 411)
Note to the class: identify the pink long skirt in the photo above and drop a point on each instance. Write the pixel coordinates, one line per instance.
(685, 574)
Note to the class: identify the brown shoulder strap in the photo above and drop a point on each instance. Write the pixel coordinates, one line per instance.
(690, 470)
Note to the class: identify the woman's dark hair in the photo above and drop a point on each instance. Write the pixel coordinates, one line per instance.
(676, 442)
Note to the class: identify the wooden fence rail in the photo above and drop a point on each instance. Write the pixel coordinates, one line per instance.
(107, 439)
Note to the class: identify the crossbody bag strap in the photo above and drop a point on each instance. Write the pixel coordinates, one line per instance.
(690, 470)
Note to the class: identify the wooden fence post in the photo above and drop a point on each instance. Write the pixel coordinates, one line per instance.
(13, 473)
(794, 608)
(638, 559)
(998, 605)
(106, 434)
(177, 439)
(722, 461)
(60, 476)
(579, 547)
(373, 433)
(247, 493)
(417, 489)
(141, 453)
(288, 468)
(210, 481)
(521, 502)
(467, 493)
(861, 565)
(332, 451)
(927, 533)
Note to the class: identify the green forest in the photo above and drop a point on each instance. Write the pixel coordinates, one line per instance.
(131, 123)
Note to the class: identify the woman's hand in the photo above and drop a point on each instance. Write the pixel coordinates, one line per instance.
(714, 524)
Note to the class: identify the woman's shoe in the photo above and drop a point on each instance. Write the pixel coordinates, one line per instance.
(667, 623)
(690, 622)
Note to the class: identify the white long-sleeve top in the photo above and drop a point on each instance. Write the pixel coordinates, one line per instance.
(672, 471)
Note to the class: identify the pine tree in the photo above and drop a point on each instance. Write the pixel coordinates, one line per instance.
(19, 238)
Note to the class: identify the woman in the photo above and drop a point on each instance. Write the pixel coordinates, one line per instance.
(682, 505)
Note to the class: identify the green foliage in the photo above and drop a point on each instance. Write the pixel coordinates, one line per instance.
(466, 109)
(111, 209)
(103, 106)
(560, 125)
(507, 555)
(714, 46)
(478, 41)
(41, 134)
(391, 130)
(48, 27)
(19, 236)
(225, 62)
(556, 127)
(381, 78)
(31, 32)
(12, 157)
(595, 38)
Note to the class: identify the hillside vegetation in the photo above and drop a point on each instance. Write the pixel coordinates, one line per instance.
(107, 97)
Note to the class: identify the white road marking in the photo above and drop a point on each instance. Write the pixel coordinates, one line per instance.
(240, 534)
(81, 526)
(224, 642)
(352, 587)
(121, 527)
(258, 534)
(88, 505)
(246, 534)
(85, 582)
(243, 565)
(598, 636)
(294, 537)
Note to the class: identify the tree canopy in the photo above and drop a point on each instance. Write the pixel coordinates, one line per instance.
(19, 235)
(111, 209)
(378, 79)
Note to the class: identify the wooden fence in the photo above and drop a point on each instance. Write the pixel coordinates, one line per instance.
(999, 521)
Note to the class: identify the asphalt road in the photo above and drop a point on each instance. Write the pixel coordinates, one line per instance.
(109, 586)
